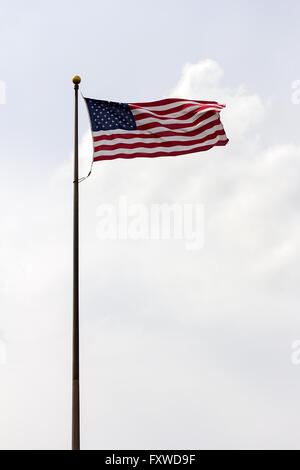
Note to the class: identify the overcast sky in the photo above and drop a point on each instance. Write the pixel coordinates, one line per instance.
(179, 349)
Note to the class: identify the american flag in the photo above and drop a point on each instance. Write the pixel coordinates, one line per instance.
(162, 128)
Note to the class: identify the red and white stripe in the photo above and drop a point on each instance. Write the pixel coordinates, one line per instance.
(167, 127)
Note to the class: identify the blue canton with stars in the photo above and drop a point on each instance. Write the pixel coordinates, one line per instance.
(107, 115)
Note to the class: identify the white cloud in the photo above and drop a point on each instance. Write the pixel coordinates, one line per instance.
(179, 349)
(205, 81)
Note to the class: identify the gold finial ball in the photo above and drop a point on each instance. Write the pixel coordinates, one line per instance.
(76, 80)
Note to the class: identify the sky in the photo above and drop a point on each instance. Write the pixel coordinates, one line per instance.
(180, 349)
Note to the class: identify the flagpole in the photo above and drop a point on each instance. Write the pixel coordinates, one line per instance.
(75, 376)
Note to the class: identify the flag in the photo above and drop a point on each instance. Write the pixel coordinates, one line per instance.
(162, 128)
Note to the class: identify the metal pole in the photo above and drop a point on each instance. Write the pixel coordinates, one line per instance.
(75, 379)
